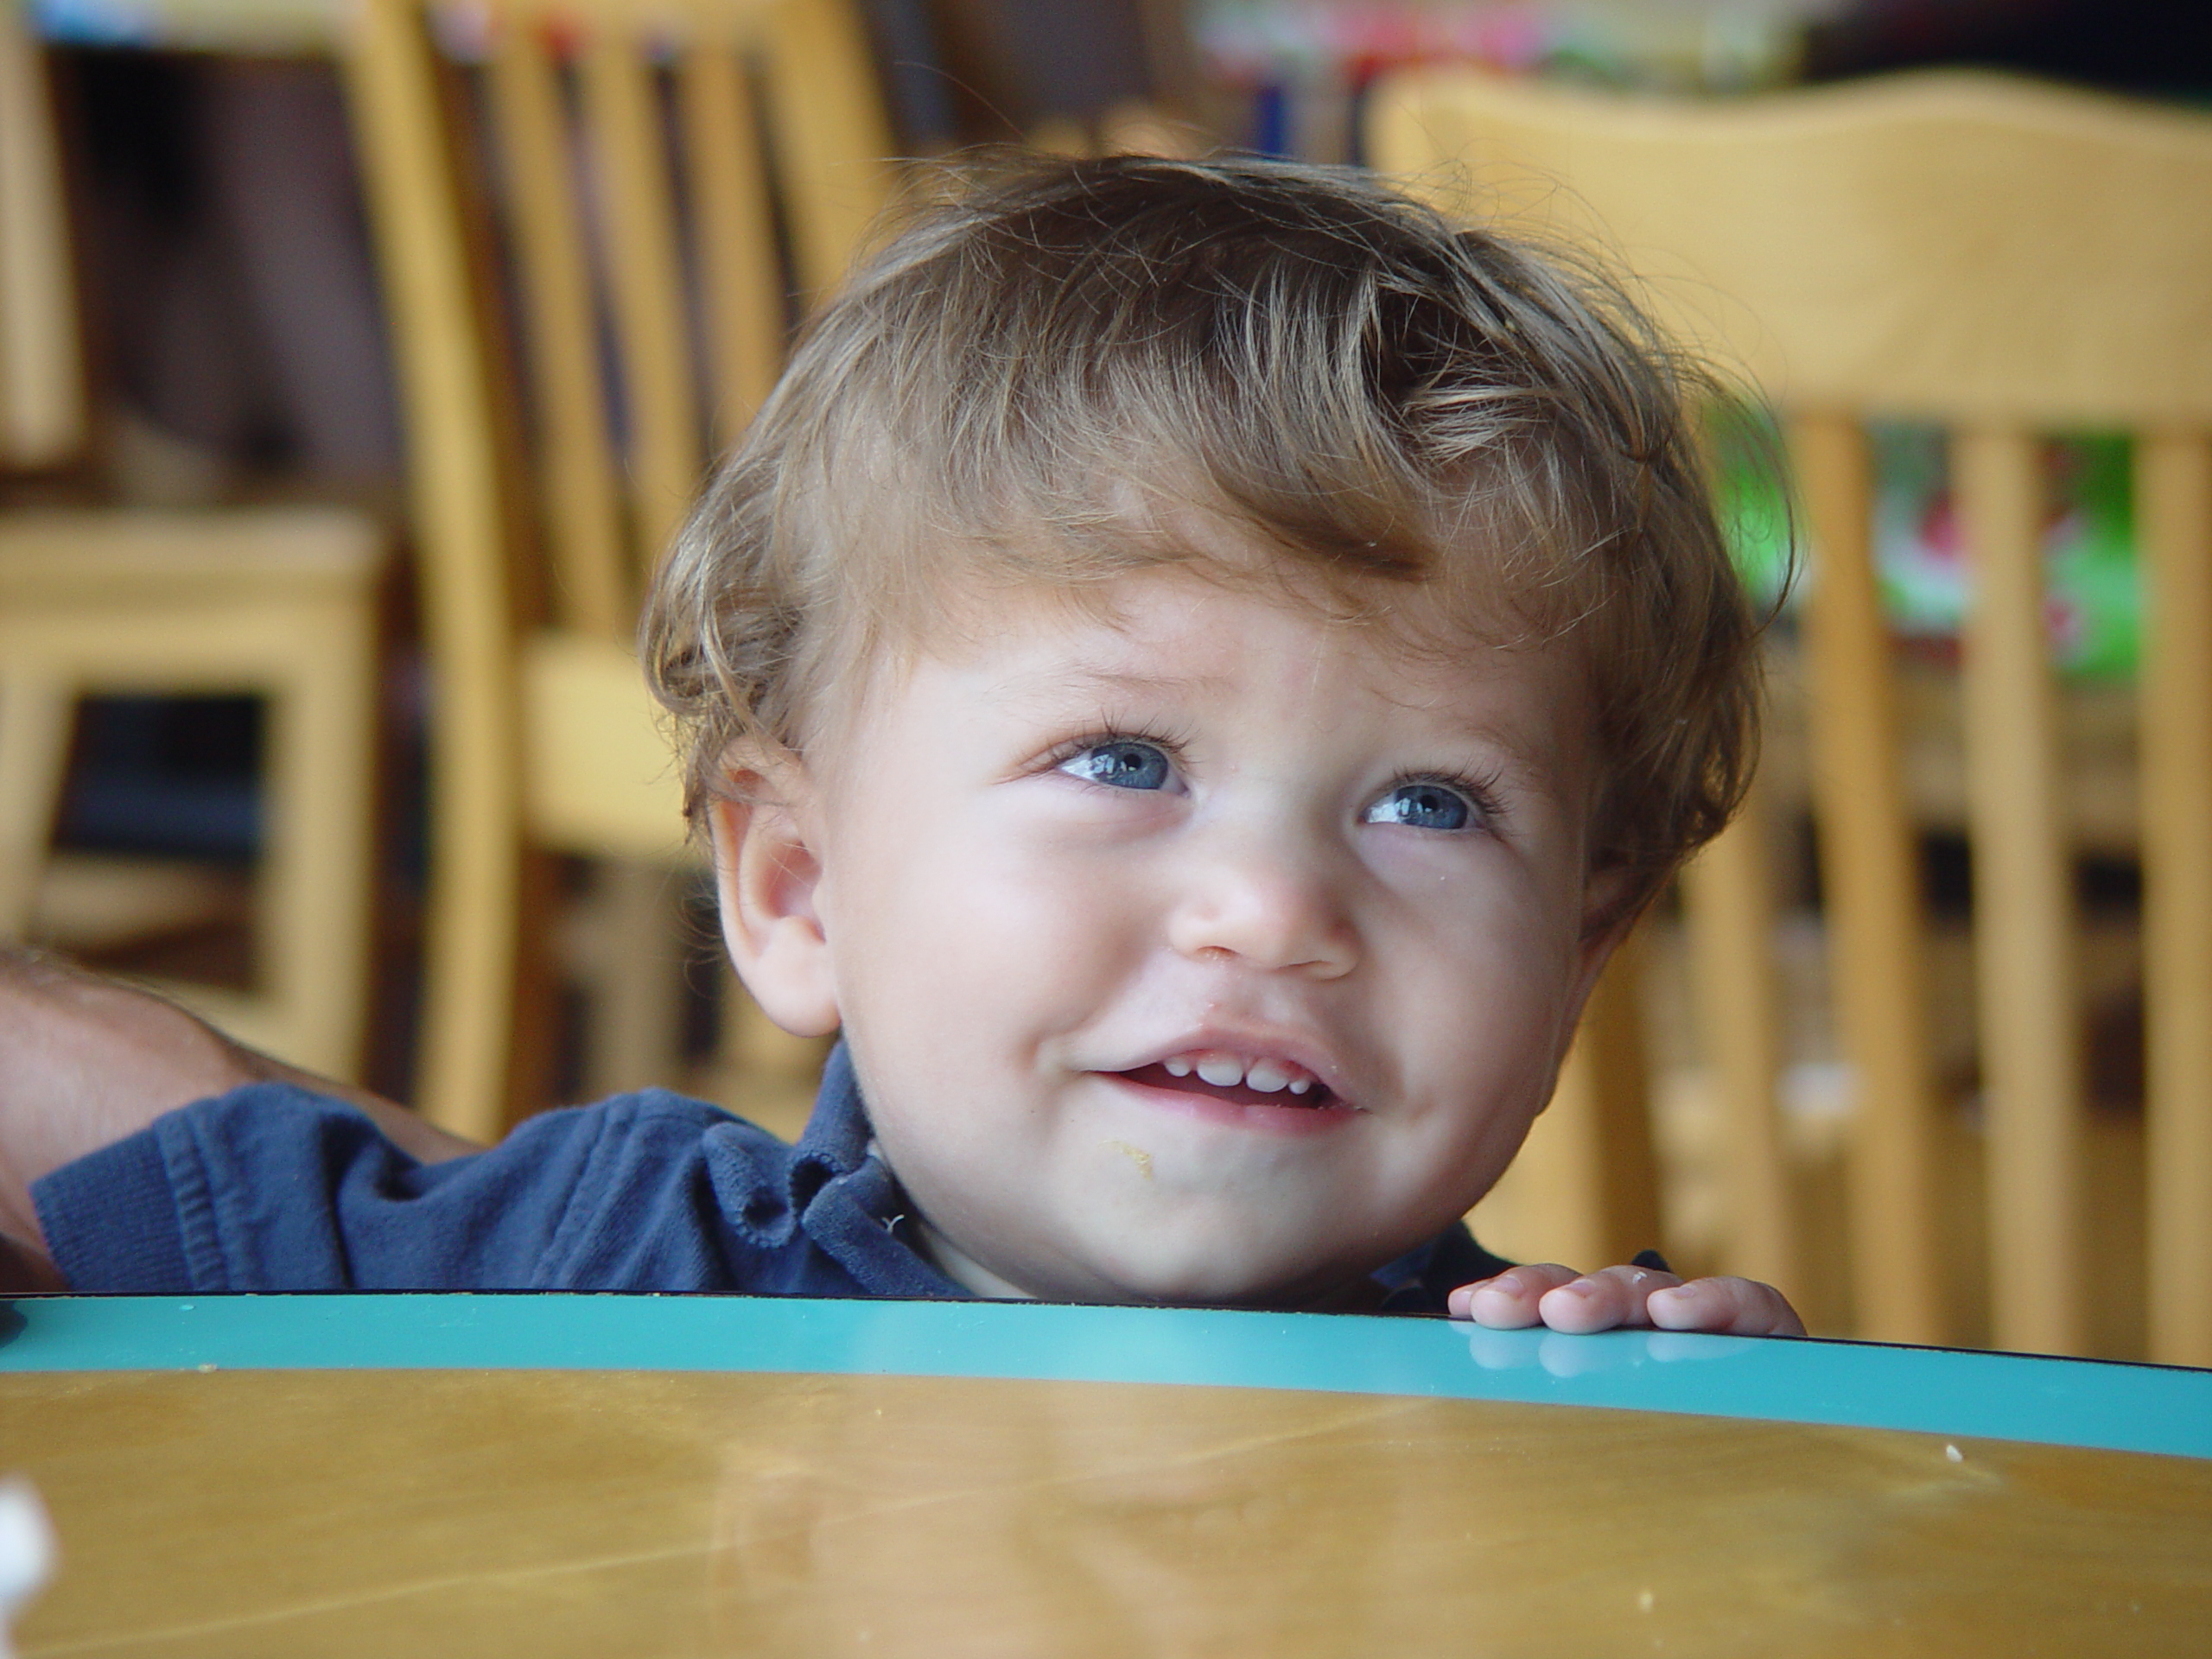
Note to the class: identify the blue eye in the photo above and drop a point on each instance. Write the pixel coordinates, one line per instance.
(1121, 765)
(1422, 806)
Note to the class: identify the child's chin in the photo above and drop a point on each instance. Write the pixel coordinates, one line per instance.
(1207, 1280)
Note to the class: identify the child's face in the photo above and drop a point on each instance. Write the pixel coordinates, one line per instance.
(1209, 951)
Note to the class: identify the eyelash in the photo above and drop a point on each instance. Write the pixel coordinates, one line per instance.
(1481, 791)
(1061, 754)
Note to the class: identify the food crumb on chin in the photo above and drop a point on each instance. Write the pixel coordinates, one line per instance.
(1136, 1156)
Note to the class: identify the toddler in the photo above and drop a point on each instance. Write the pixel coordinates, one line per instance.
(1190, 673)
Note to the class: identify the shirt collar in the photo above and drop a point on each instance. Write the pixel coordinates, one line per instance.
(848, 1201)
(837, 1134)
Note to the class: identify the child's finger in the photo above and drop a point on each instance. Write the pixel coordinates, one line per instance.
(1605, 1300)
(1508, 1302)
(1734, 1307)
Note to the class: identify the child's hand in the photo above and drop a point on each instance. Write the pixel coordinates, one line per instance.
(1566, 1300)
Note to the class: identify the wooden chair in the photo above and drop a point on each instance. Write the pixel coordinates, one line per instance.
(42, 385)
(602, 162)
(2008, 260)
(280, 603)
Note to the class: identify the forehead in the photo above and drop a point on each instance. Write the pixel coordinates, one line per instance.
(1163, 639)
(1145, 558)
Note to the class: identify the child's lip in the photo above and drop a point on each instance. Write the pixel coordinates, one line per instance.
(1236, 1107)
(1317, 1095)
(1304, 1059)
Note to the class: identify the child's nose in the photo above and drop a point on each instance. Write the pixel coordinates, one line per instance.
(1268, 902)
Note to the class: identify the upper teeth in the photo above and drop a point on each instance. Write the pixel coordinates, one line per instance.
(1225, 1071)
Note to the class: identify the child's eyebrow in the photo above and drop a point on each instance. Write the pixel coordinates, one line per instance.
(1086, 682)
(1527, 757)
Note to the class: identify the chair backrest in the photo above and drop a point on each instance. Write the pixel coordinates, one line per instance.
(41, 375)
(615, 206)
(2006, 260)
(660, 180)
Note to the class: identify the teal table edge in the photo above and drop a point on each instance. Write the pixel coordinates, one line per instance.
(1931, 1391)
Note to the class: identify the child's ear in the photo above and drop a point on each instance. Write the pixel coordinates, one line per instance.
(766, 876)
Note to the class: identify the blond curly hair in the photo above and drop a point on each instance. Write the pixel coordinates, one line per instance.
(1046, 361)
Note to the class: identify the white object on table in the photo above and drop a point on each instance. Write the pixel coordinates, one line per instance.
(27, 1552)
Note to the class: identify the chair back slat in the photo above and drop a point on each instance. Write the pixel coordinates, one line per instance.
(1729, 919)
(458, 505)
(1871, 876)
(1582, 1188)
(829, 133)
(42, 377)
(2173, 514)
(2024, 924)
(741, 276)
(1731, 922)
(581, 507)
(647, 251)
(622, 114)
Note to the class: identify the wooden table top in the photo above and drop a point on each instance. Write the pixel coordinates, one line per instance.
(692, 1476)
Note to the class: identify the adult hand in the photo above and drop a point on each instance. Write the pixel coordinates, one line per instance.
(1564, 1299)
(85, 1061)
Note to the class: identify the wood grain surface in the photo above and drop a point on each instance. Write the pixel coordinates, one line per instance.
(616, 1513)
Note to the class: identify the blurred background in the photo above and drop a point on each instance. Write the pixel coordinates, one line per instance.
(232, 352)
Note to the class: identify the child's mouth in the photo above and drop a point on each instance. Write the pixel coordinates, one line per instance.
(1276, 1089)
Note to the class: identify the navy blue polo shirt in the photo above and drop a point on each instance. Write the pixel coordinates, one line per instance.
(273, 1188)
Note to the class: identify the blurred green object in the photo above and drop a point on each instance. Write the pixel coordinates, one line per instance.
(1752, 495)
(2095, 597)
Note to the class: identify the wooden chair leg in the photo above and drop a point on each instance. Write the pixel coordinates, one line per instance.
(1729, 910)
(473, 925)
(2024, 925)
(2174, 507)
(35, 714)
(760, 1071)
(1583, 1189)
(635, 1030)
(317, 864)
(1870, 872)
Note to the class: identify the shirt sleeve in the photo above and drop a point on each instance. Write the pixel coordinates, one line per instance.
(273, 1188)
